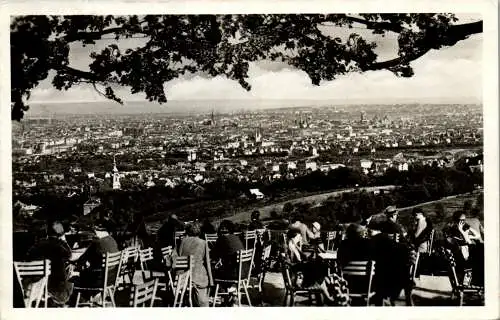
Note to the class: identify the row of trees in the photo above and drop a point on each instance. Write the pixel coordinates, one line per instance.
(356, 206)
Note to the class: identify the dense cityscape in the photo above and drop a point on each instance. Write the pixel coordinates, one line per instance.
(151, 150)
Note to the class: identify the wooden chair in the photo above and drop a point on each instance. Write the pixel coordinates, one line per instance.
(459, 288)
(182, 268)
(110, 275)
(130, 258)
(144, 295)
(263, 268)
(146, 257)
(244, 258)
(250, 238)
(38, 291)
(331, 237)
(359, 272)
(166, 253)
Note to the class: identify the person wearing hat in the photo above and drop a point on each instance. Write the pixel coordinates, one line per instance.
(315, 237)
(392, 218)
(56, 249)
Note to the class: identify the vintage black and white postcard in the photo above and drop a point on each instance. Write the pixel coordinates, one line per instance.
(221, 155)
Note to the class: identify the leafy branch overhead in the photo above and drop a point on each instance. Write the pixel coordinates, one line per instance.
(213, 45)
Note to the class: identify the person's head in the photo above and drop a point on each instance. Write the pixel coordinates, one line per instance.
(418, 214)
(226, 227)
(193, 229)
(316, 227)
(173, 217)
(55, 229)
(391, 212)
(459, 217)
(255, 215)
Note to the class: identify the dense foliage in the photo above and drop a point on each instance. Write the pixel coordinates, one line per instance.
(176, 45)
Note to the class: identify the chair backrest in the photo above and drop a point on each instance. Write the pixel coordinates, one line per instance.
(394, 237)
(183, 263)
(250, 239)
(244, 259)
(331, 236)
(33, 269)
(36, 268)
(112, 266)
(132, 254)
(145, 255)
(211, 238)
(360, 270)
(144, 294)
(166, 252)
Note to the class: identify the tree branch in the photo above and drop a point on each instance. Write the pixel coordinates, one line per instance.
(376, 25)
(77, 73)
(95, 35)
(454, 34)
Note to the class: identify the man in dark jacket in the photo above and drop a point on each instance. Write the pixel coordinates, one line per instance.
(166, 233)
(55, 249)
(225, 249)
(92, 259)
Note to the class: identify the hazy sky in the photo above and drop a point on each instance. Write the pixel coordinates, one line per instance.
(449, 75)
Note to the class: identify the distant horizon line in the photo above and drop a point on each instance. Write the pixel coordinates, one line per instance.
(339, 101)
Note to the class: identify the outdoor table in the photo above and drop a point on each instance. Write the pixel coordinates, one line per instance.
(330, 257)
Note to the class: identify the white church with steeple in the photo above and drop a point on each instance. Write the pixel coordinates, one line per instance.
(116, 176)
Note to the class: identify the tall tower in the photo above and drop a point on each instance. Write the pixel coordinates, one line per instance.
(212, 118)
(116, 176)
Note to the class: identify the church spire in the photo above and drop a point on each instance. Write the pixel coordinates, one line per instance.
(116, 175)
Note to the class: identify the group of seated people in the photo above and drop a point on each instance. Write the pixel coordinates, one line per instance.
(220, 259)
(382, 239)
(373, 239)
